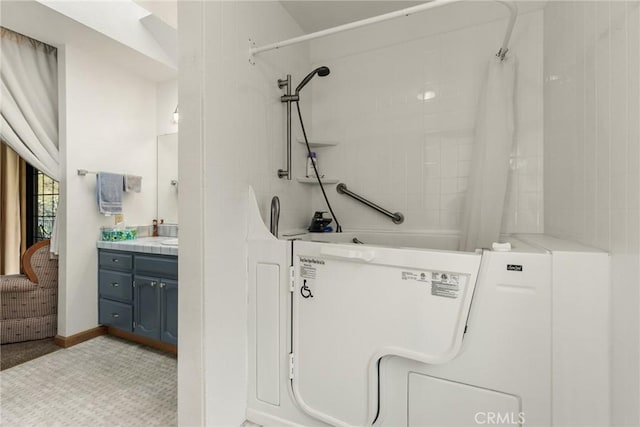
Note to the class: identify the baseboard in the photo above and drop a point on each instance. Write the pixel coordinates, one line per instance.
(66, 342)
(143, 340)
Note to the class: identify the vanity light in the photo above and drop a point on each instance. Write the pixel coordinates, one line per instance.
(176, 116)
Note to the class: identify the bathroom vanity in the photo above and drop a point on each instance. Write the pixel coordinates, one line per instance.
(138, 290)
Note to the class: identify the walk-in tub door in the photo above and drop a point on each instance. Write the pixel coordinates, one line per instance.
(353, 304)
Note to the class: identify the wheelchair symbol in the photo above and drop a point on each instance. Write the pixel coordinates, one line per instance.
(305, 291)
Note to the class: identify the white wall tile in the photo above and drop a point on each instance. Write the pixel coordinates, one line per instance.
(592, 159)
(418, 97)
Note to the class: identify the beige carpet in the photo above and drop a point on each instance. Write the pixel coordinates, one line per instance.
(17, 353)
(103, 382)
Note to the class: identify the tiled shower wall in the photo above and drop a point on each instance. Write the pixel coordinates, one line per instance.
(592, 159)
(401, 100)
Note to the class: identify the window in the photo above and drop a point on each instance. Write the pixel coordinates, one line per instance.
(42, 204)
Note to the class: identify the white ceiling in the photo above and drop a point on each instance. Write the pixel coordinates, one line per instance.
(313, 15)
(117, 35)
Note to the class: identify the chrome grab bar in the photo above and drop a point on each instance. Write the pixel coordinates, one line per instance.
(396, 217)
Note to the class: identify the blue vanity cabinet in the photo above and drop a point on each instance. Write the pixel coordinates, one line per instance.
(147, 307)
(169, 306)
(115, 289)
(138, 292)
(156, 305)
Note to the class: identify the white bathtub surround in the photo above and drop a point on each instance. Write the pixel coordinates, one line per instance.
(592, 160)
(533, 310)
(493, 143)
(402, 99)
(441, 240)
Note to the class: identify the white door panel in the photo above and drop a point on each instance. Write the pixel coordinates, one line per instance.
(353, 305)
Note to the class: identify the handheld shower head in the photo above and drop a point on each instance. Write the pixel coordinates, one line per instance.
(321, 71)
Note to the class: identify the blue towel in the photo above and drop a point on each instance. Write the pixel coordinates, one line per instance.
(109, 191)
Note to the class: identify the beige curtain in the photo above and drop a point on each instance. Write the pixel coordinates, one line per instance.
(29, 107)
(13, 224)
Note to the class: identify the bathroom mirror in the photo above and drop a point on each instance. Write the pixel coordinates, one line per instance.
(168, 178)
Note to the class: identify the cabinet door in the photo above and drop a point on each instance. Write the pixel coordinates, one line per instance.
(115, 314)
(147, 307)
(169, 309)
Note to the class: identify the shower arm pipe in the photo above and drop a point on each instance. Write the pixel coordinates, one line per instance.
(385, 17)
(396, 217)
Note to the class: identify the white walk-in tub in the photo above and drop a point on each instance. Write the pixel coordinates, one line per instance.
(402, 329)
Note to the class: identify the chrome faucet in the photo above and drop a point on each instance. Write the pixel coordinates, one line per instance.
(275, 215)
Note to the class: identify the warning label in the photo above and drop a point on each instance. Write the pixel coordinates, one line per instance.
(445, 285)
(447, 290)
(447, 278)
(309, 267)
(442, 284)
(307, 271)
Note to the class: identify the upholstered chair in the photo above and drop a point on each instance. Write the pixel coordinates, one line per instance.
(30, 300)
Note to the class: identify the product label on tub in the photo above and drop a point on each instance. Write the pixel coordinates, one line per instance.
(308, 267)
(445, 285)
(442, 284)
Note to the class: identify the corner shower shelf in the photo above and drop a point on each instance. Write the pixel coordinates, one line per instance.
(314, 181)
(316, 144)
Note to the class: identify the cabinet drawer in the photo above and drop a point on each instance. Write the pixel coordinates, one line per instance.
(116, 314)
(156, 266)
(113, 284)
(116, 260)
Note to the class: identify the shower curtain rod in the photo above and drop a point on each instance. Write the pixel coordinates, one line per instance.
(513, 10)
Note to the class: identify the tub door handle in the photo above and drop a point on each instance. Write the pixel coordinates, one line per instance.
(337, 252)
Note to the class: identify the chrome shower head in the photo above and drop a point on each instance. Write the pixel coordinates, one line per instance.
(321, 71)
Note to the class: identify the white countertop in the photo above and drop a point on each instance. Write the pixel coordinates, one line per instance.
(149, 245)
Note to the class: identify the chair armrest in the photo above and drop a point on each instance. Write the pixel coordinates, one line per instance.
(16, 283)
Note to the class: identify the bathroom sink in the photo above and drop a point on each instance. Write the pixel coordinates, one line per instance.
(170, 242)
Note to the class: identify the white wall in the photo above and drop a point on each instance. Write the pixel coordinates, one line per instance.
(232, 136)
(167, 100)
(592, 159)
(119, 20)
(167, 10)
(107, 123)
(413, 155)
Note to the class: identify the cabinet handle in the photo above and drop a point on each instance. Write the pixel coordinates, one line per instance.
(116, 315)
(115, 284)
(153, 284)
(162, 285)
(114, 260)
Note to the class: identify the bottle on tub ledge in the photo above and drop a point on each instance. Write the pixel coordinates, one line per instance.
(313, 158)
